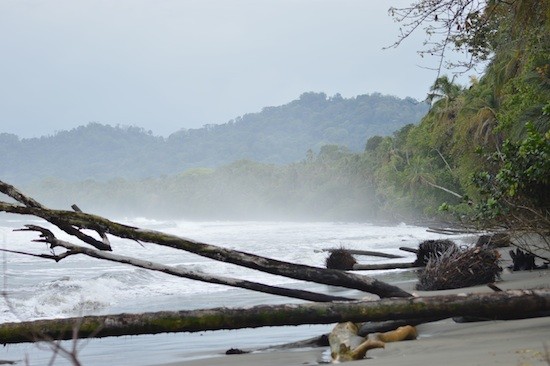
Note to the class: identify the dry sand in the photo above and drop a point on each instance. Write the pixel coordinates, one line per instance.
(513, 342)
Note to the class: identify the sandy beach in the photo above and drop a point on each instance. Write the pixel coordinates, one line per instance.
(522, 342)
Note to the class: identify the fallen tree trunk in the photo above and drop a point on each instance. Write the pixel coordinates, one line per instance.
(268, 265)
(364, 252)
(369, 267)
(48, 237)
(495, 305)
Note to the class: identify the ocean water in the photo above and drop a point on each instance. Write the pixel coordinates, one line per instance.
(37, 288)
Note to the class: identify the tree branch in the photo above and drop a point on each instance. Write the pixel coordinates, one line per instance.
(29, 202)
(55, 257)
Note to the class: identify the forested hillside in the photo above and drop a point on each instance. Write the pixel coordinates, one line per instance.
(280, 135)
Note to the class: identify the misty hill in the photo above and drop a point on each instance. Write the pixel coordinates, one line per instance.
(280, 134)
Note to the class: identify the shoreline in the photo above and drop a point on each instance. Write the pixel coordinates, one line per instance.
(506, 342)
(509, 342)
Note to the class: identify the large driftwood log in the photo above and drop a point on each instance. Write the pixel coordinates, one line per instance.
(364, 252)
(79, 220)
(495, 305)
(381, 266)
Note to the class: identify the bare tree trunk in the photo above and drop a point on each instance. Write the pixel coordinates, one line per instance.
(495, 305)
(441, 188)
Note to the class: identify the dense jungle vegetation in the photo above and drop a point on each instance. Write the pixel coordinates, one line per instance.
(481, 153)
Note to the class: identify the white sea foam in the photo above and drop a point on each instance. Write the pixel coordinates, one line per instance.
(39, 288)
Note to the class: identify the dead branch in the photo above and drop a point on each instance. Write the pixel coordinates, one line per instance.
(29, 202)
(410, 250)
(55, 257)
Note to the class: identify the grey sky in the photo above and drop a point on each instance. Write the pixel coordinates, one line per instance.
(169, 64)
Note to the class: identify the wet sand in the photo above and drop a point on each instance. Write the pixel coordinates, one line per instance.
(512, 342)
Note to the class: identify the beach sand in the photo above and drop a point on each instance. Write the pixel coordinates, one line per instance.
(512, 342)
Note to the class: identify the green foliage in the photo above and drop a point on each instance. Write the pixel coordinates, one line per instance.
(444, 90)
(527, 94)
(441, 154)
(373, 143)
(521, 181)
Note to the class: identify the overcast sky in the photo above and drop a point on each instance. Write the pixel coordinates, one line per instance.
(165, 65)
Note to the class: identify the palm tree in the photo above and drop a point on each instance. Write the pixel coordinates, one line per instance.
(444, 89)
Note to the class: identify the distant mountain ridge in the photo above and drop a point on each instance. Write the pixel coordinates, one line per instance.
(281, 135)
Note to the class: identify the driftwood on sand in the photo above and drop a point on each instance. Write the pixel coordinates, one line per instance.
(382, 266)
(347, 345)
(343, 258)
(364, 252)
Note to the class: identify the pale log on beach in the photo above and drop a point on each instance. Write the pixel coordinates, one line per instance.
(79, 220)
(346, 345)
(497, 305)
